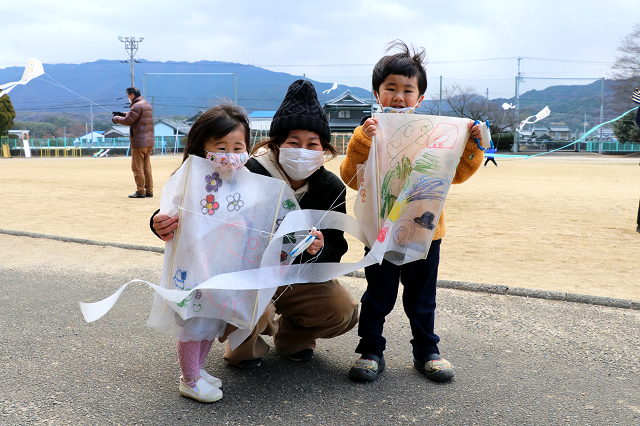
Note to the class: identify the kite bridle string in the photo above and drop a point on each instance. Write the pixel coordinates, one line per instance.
(60, 85)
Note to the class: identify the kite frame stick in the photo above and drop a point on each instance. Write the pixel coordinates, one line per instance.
(176, 234)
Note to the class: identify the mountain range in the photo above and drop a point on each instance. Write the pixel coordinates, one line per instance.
(66, 89)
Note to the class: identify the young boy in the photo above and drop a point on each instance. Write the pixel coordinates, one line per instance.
(399, 82)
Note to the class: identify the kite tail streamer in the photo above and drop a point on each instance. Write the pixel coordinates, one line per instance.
(581, 139)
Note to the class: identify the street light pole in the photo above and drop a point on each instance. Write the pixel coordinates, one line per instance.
(131, 46)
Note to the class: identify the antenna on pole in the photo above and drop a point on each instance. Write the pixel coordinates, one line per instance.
(131, 46)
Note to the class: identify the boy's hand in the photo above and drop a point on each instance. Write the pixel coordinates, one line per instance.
(317, 244)
(474, 130)
(165, 225)
(369, 127)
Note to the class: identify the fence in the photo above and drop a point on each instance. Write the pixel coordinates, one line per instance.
(45, 146)
(613, 147)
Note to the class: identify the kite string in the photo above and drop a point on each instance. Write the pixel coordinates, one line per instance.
(338, 197)
(579, 140)
(264, 234)
(77, 94)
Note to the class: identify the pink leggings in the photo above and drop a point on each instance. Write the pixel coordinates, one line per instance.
(192, 356)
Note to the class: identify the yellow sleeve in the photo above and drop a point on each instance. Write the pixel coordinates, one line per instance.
(357, 153)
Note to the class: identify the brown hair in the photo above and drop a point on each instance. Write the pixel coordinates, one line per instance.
(274, 143)
(216, 122)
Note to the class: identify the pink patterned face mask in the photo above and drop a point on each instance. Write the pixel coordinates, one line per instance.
(229, 160)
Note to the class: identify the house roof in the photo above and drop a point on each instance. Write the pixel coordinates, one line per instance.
(181, 126)
(123, 130)
(194, 117)
(348, 99)
(262, 114)
(559, 129)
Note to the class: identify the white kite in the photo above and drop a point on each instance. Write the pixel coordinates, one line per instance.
(236, 237)
(34, 69)
(334, 87)
(539, 116)
(507, 106)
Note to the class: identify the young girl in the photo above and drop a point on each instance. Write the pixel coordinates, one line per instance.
(300, 137)
(222, 135)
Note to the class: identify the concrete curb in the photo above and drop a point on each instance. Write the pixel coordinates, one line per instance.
(81, 241)
(533, 293)
(456, 285)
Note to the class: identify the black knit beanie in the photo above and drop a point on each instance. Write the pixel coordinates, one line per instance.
(300, 110)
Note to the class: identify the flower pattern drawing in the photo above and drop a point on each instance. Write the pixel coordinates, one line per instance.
(213, 182)
(209, 205)
(234, 202)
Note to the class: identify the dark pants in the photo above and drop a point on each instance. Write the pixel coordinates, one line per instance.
(419, 279)
(490, 159)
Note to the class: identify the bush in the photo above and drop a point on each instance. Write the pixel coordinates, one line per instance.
(503, 141)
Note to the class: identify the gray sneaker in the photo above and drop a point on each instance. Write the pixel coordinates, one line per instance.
(367, 368)
(435, 368)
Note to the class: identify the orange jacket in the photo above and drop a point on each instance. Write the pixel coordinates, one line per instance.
(358, 152)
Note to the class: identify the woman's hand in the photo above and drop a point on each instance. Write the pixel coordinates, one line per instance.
(369, 127)
(317, 244)
(165, 225)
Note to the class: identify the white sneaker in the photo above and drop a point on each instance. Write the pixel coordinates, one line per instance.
(203, 391)
(210, 379)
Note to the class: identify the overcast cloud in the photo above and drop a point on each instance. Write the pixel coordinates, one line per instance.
(333, 41)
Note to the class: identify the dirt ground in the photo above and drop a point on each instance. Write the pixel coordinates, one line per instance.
(564, 222)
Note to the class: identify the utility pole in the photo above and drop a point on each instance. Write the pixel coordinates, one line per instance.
(91, 123)
(487, 93)
(516, 134)
(131, 46)
(440, 103)
(601, 116)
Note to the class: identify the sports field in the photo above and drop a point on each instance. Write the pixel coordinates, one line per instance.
(557, 222)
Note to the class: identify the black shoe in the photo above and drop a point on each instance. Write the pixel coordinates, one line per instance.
(435, 368)
(137, 195)
(149, 195)
(249, 363)
(302, 356)
(367, 368)
(638, 229)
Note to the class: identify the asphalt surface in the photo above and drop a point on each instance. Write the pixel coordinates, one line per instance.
(519, 361)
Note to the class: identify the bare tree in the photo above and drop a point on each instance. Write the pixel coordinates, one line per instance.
(627, 69)
(466, 102)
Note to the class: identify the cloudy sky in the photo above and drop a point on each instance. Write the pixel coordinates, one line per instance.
(472, 43)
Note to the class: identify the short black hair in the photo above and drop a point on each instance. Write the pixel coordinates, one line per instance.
(409, 63)
(133, 90)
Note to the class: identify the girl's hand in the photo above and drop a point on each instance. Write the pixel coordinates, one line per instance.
(475, 130)
(369, 127)
(165, 225)
(317, 244)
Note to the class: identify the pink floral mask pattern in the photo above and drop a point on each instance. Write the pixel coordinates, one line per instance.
(229, 160)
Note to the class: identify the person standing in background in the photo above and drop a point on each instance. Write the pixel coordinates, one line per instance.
(140, 122)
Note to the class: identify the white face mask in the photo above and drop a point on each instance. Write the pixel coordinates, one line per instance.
(299, 163)
(408, 110)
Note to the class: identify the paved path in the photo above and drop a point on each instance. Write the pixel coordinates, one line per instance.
(519, 361)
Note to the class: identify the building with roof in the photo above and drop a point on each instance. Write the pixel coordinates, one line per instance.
(167, 127)
(117, 131)
(346, 111)
(559, 132)
(194, 117)
(260, 123)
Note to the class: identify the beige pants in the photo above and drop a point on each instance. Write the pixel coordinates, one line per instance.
(307, 312)
(141, 167)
